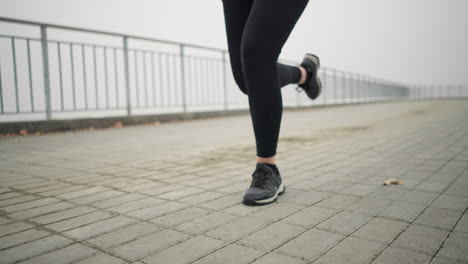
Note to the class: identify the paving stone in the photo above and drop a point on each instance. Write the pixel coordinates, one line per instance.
(21, 237)
(402, 211)
(87, 191)
(352, 250)
(128, 184)
(122, 199)
(333, 187)
(338, 201)
(303, 197)
(63, 190)
(272, 236)
(185, 252)
(441, 260)
(392, 193)
(123, 235)
(13, 228)
(199, 181)
(462, 225)
(451, 202)
(277, 211)
(310, 216)
(381, 230)
(100, 227)
(96, 197)
(147, 245)
(222, 202)
(9, 195)
(17, 200)
(178, 194)
(206, 222)
(157, 210)
(242, 210)
(310, 244)
(458, 190)
(360, 189)
(432, 186)
(216, 184)
(64, 255)
(439, 218)
(455, 247)
(233, 253)
(308, 185)
(28, 205)
(49, 187)
(79, 221)
(136, 205)
(157, 189)
(238, 228)
(205, 196)
(370, 206)
(179, 217)
(421, 238)
(418, 197)
(234, 188)
(33, 249)
(61, 215)
(410, 184)
(42, 210)
(102, 258)
(401, 256)
(4, 221)
(275, 258)
(344, 222)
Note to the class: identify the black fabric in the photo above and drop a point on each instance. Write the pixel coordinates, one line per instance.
(256, 32)
(272, 166)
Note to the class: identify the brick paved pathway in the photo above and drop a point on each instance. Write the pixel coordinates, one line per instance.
(171, 193)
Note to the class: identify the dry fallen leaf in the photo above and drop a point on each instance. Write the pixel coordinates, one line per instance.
(117, 125)
(392, 181)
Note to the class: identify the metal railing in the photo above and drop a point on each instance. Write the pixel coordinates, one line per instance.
(54, 78)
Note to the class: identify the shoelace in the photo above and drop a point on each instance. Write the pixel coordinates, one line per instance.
(260, 178)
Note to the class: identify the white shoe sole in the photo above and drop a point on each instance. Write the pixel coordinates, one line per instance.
(280, 191)
(314, 58)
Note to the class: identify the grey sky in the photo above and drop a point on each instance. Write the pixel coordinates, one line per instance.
(412, 41)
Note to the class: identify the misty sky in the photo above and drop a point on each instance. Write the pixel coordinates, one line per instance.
(410, 41)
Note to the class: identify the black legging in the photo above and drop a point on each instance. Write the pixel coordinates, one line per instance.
(256, 32)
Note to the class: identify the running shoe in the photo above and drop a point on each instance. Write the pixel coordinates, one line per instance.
(312, 86)
(265, 187)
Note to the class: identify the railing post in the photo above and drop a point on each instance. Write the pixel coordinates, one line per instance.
(224, 80)
(335, 92)
(45, 65)
(352, 86)
(127, 75)
(324, 86)
(182, 71)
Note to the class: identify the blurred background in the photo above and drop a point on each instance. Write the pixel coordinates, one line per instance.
(370, 50)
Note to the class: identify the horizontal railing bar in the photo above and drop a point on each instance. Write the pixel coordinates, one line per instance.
(19, 37)
(25, 112)
(83, 44)
(87, 44)
(109, 33)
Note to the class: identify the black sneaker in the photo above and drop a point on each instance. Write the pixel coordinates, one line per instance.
(265, 187)
(312, 86)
